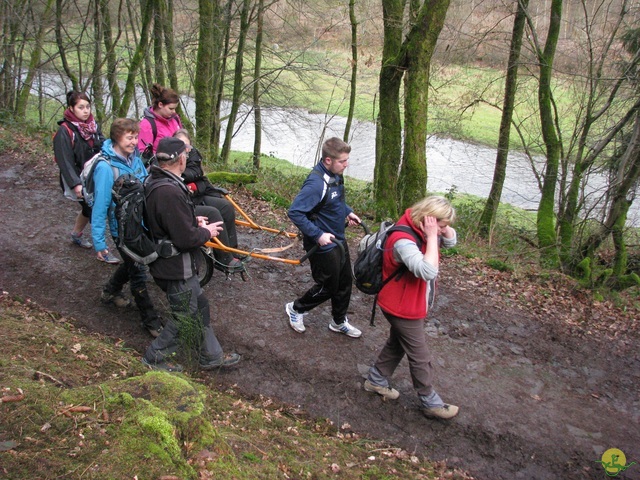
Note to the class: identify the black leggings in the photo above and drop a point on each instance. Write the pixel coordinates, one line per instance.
(213, 215)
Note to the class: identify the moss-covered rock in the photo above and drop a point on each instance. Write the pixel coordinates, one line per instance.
(156, 416)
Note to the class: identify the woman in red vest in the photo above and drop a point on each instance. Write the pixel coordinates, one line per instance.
(404, 301)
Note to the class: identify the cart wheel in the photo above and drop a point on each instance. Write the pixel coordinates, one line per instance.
(204, 264)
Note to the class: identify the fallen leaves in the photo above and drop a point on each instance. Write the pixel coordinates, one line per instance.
(68, 410)
(11, 398)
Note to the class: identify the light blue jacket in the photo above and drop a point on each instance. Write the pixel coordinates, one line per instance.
(103, 177)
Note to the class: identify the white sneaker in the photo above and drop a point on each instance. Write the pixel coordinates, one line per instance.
(346, 328)
(295, 318)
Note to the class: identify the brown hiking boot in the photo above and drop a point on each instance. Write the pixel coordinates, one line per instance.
(387, 393)
(446, 412)
(118, 299)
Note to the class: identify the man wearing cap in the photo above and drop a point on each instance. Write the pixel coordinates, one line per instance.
(171, 216)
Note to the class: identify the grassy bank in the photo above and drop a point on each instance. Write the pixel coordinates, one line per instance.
(76, 406)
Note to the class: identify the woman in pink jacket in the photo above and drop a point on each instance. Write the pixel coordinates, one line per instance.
(404, 303)
(160, 120)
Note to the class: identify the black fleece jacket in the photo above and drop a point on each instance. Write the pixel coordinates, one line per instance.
(171, 215)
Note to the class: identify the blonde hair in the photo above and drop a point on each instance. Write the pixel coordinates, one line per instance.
(433, 206)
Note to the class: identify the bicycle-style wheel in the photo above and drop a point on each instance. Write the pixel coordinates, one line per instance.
(204, 264)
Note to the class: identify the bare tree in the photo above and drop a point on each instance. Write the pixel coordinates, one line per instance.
(400, 176)
(237, 80)
(138, 57)
(354, 68)
(546, 208)
(257, 110)
(511, 86)
(34, 63)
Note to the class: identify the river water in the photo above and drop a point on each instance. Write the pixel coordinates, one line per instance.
(294, 135)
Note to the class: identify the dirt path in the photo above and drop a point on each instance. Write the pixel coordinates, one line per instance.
(538, 400)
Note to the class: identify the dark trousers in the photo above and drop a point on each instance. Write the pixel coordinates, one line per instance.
(407, 337)
(191, 317)
(214, 215)
(136, 275)
(334, 280)
(228, 214)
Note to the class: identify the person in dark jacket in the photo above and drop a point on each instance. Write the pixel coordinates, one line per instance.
(171, 217)
(320, 212)
(203, 193)
(77, 140)
(404, 302)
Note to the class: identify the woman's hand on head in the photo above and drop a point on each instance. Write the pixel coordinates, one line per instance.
(429, 227)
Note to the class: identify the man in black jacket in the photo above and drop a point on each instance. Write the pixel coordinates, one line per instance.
(171, 217)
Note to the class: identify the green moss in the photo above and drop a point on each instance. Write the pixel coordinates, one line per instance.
(498, 265)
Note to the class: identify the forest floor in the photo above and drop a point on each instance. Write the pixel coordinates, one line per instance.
(546, 378)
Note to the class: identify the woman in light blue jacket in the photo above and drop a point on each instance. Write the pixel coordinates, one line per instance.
(121, 157)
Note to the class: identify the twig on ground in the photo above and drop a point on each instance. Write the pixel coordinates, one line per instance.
(37, 375)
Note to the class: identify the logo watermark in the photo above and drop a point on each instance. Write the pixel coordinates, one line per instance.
(614, 462)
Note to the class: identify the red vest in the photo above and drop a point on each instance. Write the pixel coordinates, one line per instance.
(406, 295)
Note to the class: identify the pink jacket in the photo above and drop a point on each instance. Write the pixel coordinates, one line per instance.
(166, 127)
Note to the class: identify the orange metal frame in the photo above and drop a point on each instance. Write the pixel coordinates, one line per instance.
(259, 253)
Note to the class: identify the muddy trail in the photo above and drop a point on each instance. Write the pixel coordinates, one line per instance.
(540, 397)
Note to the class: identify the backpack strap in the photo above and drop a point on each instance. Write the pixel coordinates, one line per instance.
(332, 182)
(72, 134)
(154, 128)
(401, 268)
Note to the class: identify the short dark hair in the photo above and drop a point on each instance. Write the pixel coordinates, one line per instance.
(122, 126)
(73, 97)
(334, 147)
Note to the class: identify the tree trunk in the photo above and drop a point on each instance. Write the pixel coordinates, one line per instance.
(547, 240)
(511, 85)
(389, 129)
(138, 57)
(109, 47)
(159, 21)
(626, 177)
(172, 69)
(237, 82)
(96, 74)
(597, 82)
(354, 69)
(11, 14)
(420, 44)
(257, 112)
(219, 74)
(34, 63)
(62, 50)
(204, 73)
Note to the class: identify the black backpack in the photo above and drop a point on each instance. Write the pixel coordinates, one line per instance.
(134, 238)
(367, 269)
